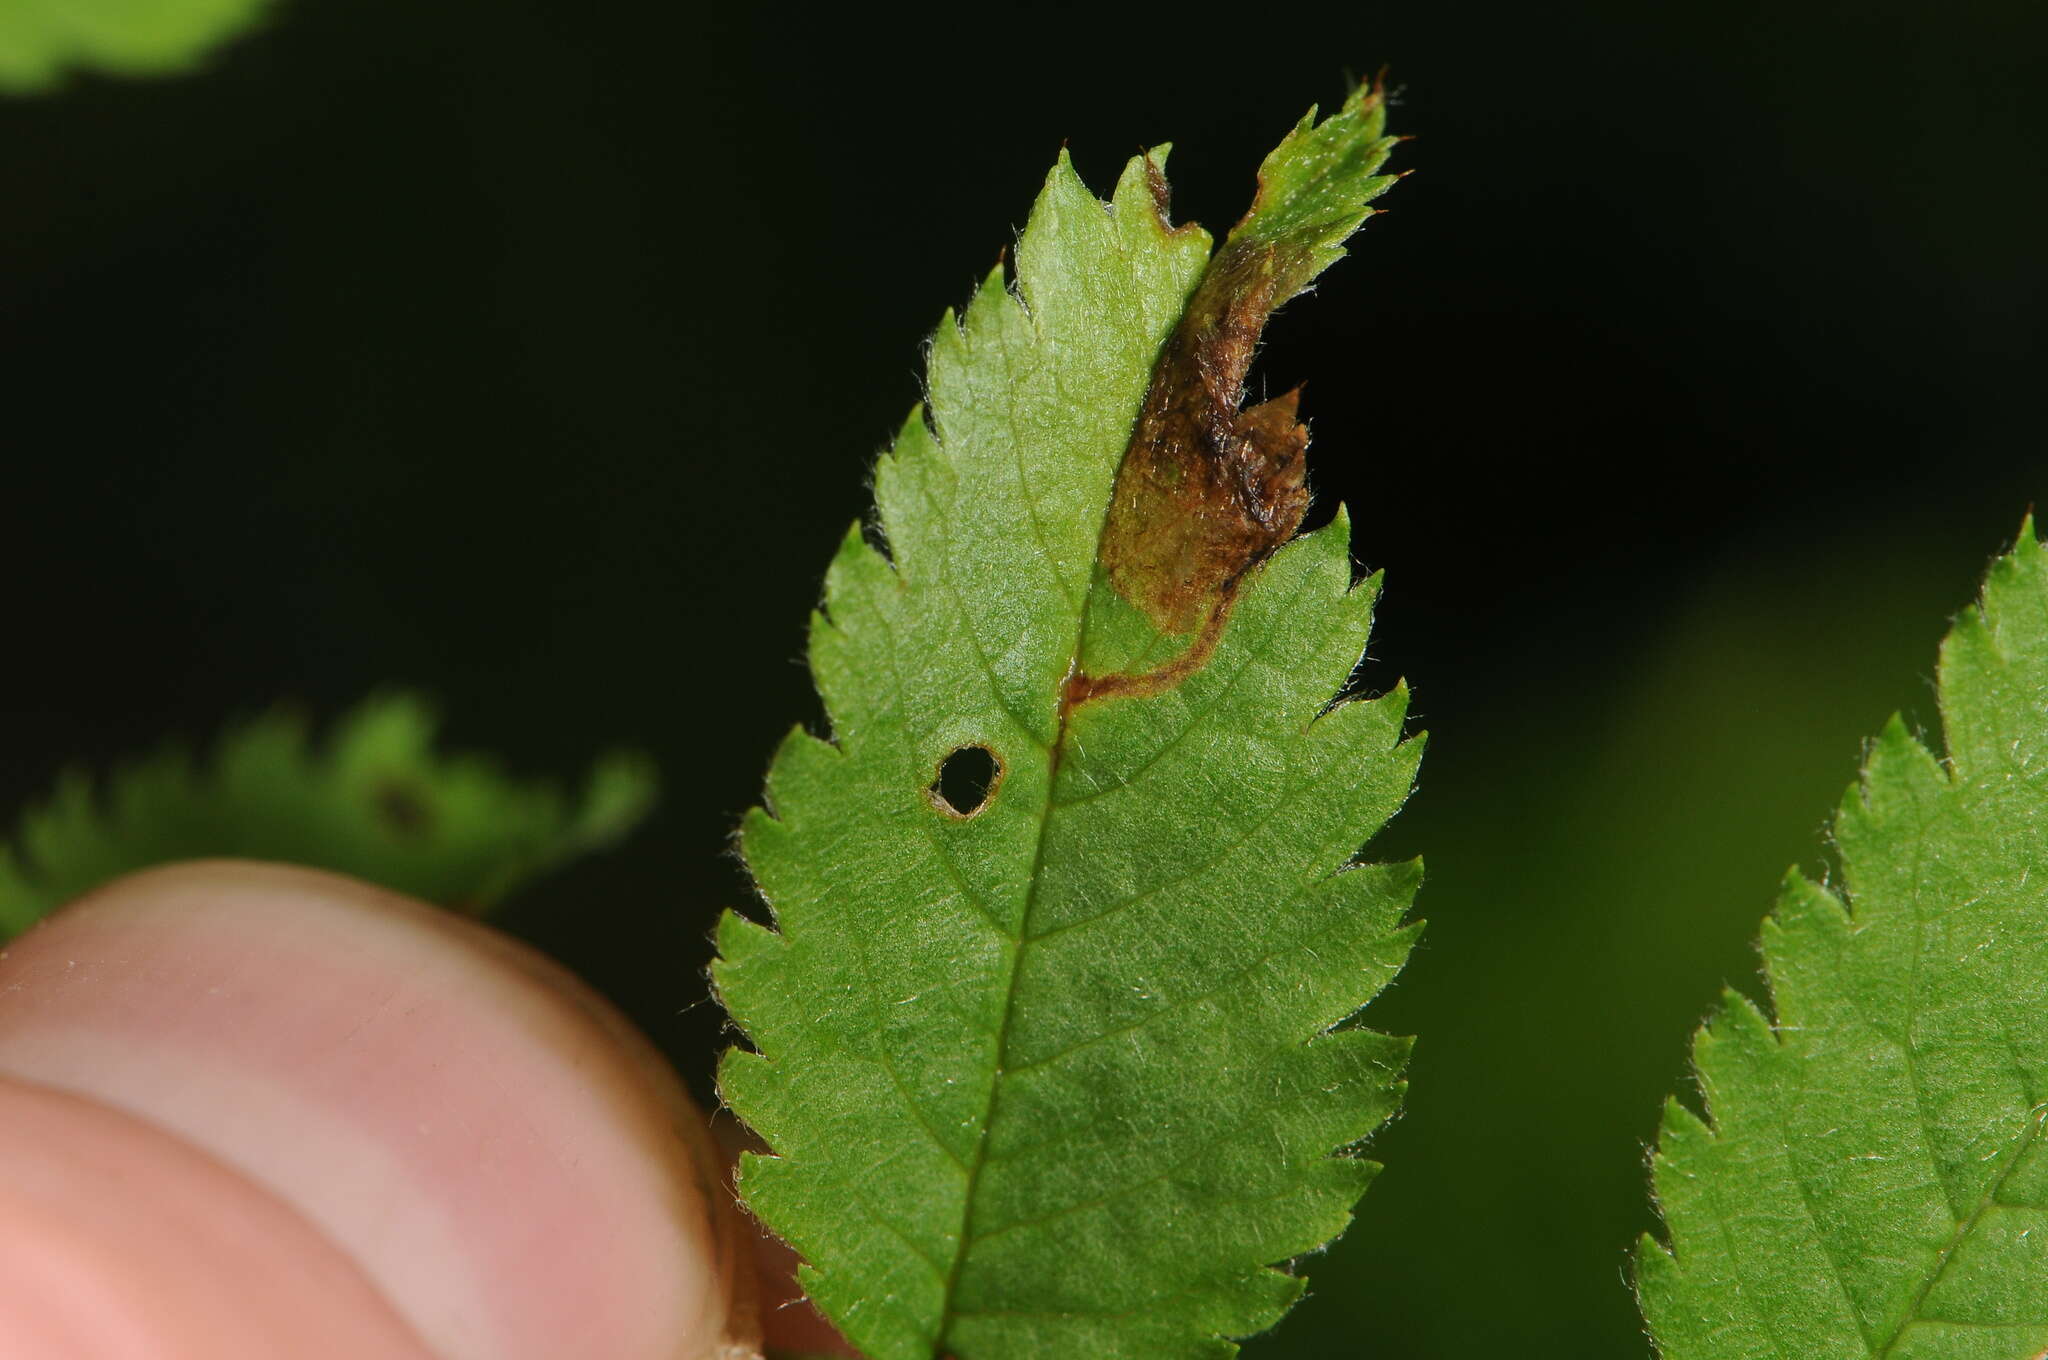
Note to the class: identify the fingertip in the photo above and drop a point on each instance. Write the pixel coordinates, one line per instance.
(118, 1240)
(502, 1154)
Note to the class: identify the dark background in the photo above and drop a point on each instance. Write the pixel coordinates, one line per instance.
(533, 352)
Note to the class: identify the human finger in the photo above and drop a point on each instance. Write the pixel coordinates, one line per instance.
(508, 1163)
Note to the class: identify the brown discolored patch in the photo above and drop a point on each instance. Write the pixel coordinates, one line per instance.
(1162, 196)
(1206, 490)
(1082, 687)
(1209, 489)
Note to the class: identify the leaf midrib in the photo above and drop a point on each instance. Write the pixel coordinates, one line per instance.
(1966, 1224)
(1023, 940)
(2037, 1117)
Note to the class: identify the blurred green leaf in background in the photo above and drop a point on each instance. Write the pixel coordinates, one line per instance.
(1598, 848)
(42, 40)
(374, 800)
(1865, 1172)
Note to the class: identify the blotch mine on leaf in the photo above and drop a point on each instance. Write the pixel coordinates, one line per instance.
(1208, 489)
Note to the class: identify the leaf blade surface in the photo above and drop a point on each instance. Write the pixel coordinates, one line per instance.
(1062, 1076)
(1875, 1179)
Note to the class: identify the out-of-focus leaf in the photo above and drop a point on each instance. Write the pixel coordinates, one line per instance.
(374, 800)
(42, 40)
(1873, 1181)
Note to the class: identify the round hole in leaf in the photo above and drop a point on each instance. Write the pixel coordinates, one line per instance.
(967, 780)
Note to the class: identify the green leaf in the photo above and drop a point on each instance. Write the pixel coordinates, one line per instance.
(1874, 1181)
(1059, 1067)
(40, 40)
(375, 801)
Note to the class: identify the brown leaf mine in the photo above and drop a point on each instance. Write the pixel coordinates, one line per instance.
(1206, 490)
